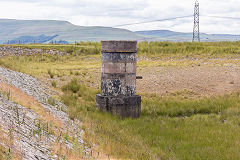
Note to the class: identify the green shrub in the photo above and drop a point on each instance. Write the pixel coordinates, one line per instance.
(54, 84)
(51, 74)
(73, 86)
(70, 50)
(77, 73)
(51, 101)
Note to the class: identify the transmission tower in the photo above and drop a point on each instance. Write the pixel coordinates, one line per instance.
(196, 35)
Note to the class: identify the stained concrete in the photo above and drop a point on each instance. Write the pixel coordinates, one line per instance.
(118, 79)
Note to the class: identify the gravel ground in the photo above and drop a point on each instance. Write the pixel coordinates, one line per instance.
(17, 51)
(32, 147)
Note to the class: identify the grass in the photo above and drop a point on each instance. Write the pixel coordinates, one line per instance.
(50, 66)
(172, 127)
(8, 152)
(54, 84)
(187, 49)
(151, 49)
(169, 128)
(172, 107)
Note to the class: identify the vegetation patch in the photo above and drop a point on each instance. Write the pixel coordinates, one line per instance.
(167, 129)
(7, 152)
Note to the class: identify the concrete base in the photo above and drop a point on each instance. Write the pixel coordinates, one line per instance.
(123, 106)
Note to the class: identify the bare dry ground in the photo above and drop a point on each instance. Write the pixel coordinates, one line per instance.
(196, 78)
(200, 81)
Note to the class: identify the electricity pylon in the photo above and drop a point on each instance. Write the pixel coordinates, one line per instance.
(196, 35)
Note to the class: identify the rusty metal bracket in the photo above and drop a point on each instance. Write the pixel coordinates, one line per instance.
(139, 77)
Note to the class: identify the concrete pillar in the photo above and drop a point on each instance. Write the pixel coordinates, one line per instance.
(118, 79)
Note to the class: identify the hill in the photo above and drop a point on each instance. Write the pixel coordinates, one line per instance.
(18, 30)
(166, 35)
(46, 31)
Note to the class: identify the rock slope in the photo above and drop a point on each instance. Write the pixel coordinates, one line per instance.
(33, 137)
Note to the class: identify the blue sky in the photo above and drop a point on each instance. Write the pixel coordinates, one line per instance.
(114, 12)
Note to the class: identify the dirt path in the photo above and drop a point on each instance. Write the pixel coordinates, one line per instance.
(202, 80)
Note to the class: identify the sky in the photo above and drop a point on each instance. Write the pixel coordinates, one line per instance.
(116, 12)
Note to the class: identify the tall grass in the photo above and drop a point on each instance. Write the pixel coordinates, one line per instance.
(171, 107)
(169, 128)
(153, 49)
(188, 49)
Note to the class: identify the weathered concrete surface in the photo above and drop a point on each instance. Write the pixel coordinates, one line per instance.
(123, 106)
(119, 46)
(118, 79)
(118, 74)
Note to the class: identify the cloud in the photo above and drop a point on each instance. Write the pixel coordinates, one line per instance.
(115, 12)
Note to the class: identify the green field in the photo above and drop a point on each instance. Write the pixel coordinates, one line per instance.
(175, 126)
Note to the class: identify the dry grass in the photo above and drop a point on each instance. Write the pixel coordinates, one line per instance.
(63, 152)
(7, 140)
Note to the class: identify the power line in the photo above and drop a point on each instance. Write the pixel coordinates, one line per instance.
(174, 18)
(235, 18)
(92, 28)
(158, 20)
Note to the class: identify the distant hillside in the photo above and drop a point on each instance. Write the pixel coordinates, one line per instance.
(20, 29)
(31, 39)
(166, 35)
(159, 33)
(47, 31)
